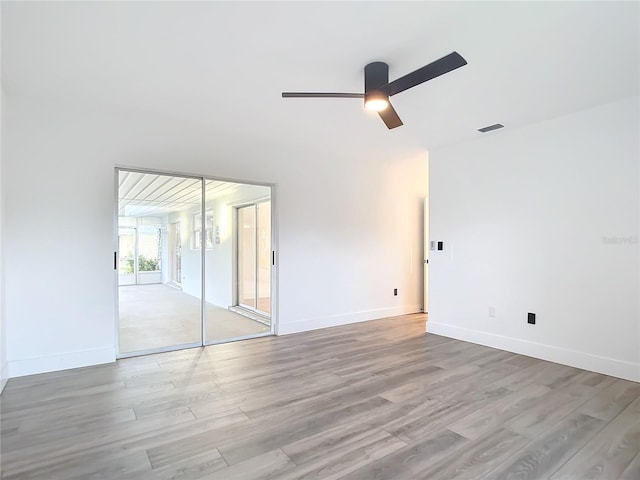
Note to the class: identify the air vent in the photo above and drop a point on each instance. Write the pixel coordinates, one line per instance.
(495, 126)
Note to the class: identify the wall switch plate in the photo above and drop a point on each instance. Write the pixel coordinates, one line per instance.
(432, 245)
(395, 292)
(492, 312)
(531, 318)
(440, 245)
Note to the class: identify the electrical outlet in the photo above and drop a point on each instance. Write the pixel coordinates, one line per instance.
(531, 318)
(395, 292)
(492, 312)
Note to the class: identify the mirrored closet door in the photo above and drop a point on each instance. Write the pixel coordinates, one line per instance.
(193, 261)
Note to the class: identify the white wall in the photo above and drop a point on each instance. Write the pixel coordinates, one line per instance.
(543, 219)
(349, 228)
(4, 370)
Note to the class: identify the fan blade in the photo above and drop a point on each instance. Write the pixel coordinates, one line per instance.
(321, 95)
(390, 117)
(435, 69)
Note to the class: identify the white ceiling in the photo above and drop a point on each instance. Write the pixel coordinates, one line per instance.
(224, 65)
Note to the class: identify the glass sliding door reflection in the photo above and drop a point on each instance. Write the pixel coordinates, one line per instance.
(247, 257)
(254, 257)
(234, 261)
(263, 251)
(160, 267)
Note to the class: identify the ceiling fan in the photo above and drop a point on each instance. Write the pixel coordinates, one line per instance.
(378, 88)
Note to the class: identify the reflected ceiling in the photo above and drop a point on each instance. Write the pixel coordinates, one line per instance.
(147, 194)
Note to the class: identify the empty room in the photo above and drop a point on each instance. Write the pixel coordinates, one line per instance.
(331, 240)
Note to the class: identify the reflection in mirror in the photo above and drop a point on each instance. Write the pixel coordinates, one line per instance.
(238, 265)
(159, 276)
(164, 229)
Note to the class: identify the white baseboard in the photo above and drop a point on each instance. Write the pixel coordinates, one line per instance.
(62, 361)
(304, 325)
(586, 361)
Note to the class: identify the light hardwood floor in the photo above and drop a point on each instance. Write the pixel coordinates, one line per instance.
(375, 400)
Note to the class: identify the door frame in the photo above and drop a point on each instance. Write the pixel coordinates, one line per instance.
(427, 246)
(274, 263)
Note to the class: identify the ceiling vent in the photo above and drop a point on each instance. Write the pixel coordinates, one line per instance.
(495, 126)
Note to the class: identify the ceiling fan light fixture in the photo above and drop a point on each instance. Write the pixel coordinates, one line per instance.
(378, 88)
(376, 101)
(376, 105)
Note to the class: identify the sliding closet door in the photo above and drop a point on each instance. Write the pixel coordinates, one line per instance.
(194, 262)
(160, 262)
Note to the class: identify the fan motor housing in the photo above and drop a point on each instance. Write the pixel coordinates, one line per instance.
(376, 75)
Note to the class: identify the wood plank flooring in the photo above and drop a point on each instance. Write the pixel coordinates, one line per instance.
(375, 400)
